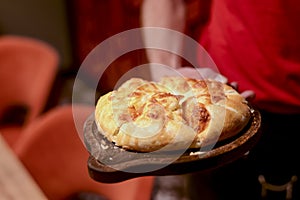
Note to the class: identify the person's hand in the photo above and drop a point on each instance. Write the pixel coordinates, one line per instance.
(249, 95)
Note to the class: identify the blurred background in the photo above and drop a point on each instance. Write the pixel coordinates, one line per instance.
(75, 27)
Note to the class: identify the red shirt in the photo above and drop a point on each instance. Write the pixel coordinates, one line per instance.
(257, 44)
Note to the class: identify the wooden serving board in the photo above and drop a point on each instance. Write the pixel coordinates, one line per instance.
(109, 163)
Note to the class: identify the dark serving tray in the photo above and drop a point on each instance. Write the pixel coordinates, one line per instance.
(109, 163)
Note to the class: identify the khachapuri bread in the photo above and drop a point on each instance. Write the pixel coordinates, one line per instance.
(172, 114)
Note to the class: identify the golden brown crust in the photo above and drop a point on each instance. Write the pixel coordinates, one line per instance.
(175, 113)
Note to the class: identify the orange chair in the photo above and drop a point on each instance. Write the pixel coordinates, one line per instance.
(28, 68)
(53, 152)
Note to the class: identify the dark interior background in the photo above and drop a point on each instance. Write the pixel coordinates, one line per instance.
(75, 27)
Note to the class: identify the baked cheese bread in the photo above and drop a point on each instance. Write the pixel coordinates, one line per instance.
(172, 114)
